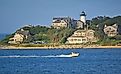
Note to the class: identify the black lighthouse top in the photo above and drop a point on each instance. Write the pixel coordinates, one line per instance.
(82, 13)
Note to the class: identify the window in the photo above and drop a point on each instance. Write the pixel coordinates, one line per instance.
(83, 34)
(113, 31)
(79, 39)
(62, 22)
(109, 28)
(91, 34)
(83, 39)
(107, 31)
(75, 39)
(71, 39)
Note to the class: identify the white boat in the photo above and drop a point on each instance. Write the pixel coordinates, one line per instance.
(74, 54)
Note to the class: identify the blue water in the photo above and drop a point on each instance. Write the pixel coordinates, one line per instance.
(90, 61)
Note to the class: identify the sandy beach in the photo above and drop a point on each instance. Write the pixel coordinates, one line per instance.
(60, 47)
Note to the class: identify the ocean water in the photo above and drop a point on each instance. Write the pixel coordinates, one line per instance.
(90, 61)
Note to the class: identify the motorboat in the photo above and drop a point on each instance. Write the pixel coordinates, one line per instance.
(73, 54)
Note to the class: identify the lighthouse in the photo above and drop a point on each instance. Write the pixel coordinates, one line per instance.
(83, 17)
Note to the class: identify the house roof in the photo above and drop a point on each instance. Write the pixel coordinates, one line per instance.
(78, 36)
(25, 33)
(78, 31)
(57, 21)
(61, 18)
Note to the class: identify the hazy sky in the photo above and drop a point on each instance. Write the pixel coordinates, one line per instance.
(17, 13)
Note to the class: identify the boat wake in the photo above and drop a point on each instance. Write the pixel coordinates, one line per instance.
(19, 56)
(48, 56)
(36, 56)
(58, 56)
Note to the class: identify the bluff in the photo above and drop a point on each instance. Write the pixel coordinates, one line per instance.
(49, 35)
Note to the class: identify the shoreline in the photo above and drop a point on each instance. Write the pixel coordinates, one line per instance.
(59, 47)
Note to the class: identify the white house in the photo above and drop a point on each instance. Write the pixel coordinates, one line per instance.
(82, 36)
(61, 22)
(18, 38)
(111, 30)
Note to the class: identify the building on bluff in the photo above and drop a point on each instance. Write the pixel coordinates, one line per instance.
(82, 34)
(68, 22)
(111, 30)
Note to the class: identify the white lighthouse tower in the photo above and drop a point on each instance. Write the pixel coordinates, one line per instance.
(83, 17)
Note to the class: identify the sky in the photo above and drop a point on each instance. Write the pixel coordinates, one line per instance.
(17, 13)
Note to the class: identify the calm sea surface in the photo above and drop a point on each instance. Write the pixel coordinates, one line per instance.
(90, 61)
